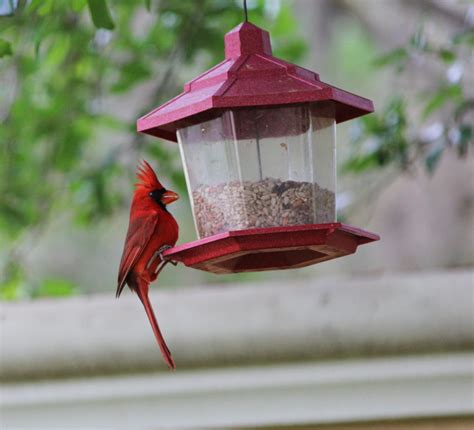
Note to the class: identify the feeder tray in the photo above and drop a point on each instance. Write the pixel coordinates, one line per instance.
(272, 248)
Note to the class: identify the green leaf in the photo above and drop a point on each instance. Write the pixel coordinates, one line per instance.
(466, 138)
(45, 7)
(148, 5)
(441, 97)
(433, 158)
(78, 5)
(464, 37)
(5, 48)
(58, 52)
(381, 141)
(447, 55)
(418, 40)
(100, 14)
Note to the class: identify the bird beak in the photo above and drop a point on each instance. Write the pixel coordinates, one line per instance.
(169, 197)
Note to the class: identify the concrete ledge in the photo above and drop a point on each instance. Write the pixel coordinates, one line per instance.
(291, 394)
(240, 325)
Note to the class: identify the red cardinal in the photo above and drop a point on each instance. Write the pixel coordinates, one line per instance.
(151, 230)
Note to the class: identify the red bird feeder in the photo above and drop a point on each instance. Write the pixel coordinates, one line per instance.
(257, 140)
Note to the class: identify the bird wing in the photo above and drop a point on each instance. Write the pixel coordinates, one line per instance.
(140, 231)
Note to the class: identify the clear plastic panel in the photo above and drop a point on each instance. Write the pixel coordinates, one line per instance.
(323, 155)
(257, 168)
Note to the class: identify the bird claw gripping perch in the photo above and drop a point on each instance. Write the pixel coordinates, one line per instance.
(164, 262)
(163, 249)
(159, 253)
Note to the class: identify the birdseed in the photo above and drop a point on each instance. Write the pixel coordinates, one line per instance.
(267, 203)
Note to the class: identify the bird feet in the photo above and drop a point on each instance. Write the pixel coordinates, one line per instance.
(163, 249)
(164, 262)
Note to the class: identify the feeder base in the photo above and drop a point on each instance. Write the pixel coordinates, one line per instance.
(272, 248)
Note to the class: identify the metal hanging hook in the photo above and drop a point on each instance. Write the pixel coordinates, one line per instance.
(246, 14)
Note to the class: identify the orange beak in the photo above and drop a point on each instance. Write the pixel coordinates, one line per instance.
(169, 197)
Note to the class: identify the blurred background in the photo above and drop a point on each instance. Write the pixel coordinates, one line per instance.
(72, 88)
(75, 76)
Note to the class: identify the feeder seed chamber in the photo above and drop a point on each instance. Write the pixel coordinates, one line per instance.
(257, 137)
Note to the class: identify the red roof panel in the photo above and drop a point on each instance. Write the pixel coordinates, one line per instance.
(249, 76)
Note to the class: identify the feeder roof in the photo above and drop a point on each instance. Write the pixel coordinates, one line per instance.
(250, 76)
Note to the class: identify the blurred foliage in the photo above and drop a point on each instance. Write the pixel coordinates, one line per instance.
(53, 287)
(407, 132)
(13, 285)
(60, 62)
(16, 286)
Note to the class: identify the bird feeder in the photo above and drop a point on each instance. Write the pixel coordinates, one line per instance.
(257, 137)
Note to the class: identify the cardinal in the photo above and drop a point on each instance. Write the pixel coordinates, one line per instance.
(152, 230)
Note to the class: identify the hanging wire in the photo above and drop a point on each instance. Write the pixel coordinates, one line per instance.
(246, 14)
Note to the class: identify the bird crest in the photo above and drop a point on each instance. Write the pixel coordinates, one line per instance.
(147, 177)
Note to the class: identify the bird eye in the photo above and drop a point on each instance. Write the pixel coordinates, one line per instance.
(157, 194)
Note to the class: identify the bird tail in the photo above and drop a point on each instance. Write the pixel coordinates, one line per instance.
(143, 296)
